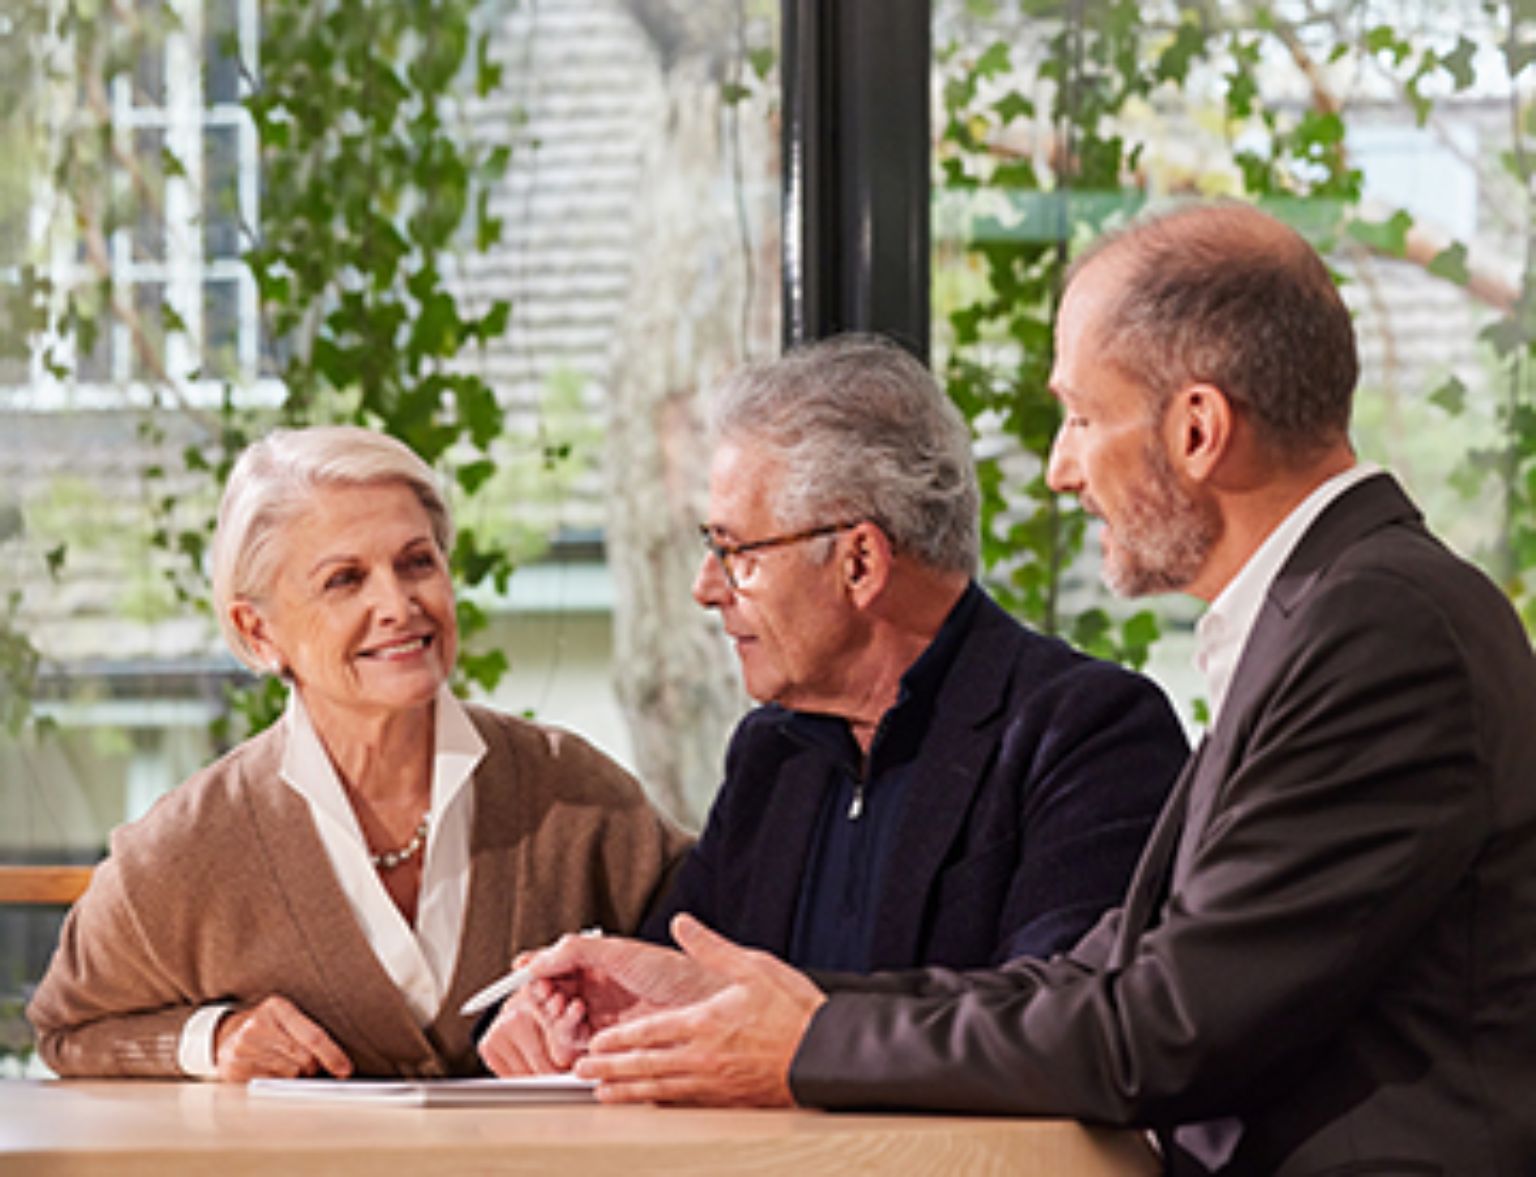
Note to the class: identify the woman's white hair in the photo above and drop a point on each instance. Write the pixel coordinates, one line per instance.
(273, 483)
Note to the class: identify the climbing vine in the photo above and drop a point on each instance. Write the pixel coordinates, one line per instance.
(1062, 118)
(375, 186)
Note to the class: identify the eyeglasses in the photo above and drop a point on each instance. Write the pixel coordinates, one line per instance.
(730, 556)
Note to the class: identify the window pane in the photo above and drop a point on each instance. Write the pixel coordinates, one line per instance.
(221, 329)
(221, 62)
(146, 183)
(94, 350)
(221, 192)
(638, 239)
(148, 39)
(149, 330)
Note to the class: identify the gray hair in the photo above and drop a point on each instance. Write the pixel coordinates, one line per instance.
(273, 483)
(864, 432)
(1225, 294)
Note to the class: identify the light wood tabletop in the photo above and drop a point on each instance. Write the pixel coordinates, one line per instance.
(139, 1128)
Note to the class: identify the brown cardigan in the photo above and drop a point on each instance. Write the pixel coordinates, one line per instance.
(223, 892)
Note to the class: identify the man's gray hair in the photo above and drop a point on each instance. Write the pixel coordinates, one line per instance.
(274, 482)
(864, 432)
(1225, 294)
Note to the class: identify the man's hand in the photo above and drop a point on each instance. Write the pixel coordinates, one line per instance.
(273, 1039)
(719, 1026)
(616, 980)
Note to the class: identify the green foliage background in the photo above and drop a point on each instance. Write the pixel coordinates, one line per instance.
(373, 190)
(1101, 82)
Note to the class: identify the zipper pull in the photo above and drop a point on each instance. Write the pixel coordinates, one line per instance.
(856, 806)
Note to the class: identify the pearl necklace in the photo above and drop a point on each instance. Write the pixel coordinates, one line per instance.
(389, 859)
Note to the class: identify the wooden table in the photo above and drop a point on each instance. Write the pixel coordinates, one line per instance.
(164, 1129)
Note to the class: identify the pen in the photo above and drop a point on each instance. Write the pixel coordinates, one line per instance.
(507, 985)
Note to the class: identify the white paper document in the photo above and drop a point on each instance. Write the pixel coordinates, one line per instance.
(431, 1092)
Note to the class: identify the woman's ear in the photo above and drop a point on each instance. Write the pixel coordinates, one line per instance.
(252, 626)
(1199, 430)
(866, 561)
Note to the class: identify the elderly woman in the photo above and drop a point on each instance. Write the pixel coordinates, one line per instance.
(323, 898)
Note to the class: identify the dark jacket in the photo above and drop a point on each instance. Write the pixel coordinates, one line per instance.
(1032, 794)
(1327, 960)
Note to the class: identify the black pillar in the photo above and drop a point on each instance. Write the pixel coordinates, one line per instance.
(856, 169)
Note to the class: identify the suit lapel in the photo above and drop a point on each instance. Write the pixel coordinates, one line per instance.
(1150, 881)
(792, 812)
(962, 739)
(1375, 502)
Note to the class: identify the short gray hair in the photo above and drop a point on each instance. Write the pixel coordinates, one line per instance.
(864, 432)
(1226, 294)
(272, 485)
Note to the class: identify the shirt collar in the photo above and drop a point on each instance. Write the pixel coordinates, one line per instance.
(924, 677)
(308, 770)
(1222, 633)
(919, 687)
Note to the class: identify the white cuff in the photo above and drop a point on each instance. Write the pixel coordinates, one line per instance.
(194, 1054)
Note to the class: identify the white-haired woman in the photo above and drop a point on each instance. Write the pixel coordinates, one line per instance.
(323, 898)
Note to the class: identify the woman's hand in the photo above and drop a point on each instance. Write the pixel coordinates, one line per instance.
(273, 1039)
(540, 1030)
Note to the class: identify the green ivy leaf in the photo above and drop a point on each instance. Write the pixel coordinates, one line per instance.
(1519, 54)
(485, 669)
(1383, 39)
(1389, 237)
(1506, 335)
(474, 475)
(479, 409)
(494, 322)
(1013, 105)
(762, 60)
(1451, 264)
(1459, 63)
(993, 61)
(1189, 43)
(1451, 397)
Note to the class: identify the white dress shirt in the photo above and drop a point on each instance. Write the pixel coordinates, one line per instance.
(421, 959)
(1222, 633)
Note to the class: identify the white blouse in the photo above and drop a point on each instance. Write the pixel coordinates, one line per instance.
(420, 959)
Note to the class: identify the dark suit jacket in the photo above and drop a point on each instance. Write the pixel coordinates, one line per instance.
(1032, 795)
(1327, 960)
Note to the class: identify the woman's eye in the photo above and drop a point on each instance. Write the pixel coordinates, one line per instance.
(345, 578)
(421, 562)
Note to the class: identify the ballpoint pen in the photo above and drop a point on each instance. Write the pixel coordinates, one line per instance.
(507, 985)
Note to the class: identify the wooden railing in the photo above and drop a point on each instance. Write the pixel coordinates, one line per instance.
(57, 886)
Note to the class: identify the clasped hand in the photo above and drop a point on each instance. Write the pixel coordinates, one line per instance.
(715, 1024)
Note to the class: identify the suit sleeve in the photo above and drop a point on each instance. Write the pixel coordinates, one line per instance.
(1356, 806)
(1106, 748)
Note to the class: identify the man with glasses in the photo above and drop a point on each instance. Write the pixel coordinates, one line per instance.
(926, 781)
(1326, 961)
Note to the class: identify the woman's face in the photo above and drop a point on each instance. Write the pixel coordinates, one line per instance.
(360, 612)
